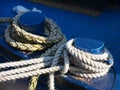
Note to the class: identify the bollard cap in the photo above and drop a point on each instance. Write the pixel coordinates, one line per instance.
(32, 22)
(90, 45)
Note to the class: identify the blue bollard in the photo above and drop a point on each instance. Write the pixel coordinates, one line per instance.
(94, 46)
(89, 45)
(33, 22)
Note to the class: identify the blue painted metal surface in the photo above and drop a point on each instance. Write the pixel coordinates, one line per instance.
(107, 26)
(33, 22)
(89, 45)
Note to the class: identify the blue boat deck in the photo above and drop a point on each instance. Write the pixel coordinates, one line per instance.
(106, 26)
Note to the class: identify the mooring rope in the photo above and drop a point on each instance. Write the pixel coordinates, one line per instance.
(65, 59)
(60, 56)
(23, 40)
(4, 20)
(20, 39)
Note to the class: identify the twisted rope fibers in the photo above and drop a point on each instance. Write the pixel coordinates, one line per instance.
(3, 20)
(77, 62)
(42, 64)
(23, 40)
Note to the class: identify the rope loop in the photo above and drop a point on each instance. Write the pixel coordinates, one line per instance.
(88, 65)
(59, 55)
(65, 54)
(19, 38)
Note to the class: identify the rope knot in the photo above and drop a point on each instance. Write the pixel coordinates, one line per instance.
(78, 62)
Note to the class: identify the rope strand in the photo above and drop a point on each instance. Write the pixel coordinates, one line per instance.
(29, 74)
(50, 65)
(59, 52)
(25, 63)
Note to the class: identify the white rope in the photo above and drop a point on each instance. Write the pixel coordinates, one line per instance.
(26, 62)
(24, 69)
(29, 74)
(76, 61)
(87, 58)
(23, 40)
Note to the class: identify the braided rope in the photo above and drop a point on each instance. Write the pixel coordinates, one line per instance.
(76, 61)
(29, 74)
(25, 69)
(86, 58)
(25, 63)
(3, 20)
(88, 67)
(38, 66)
(54, 63)
(20, 39)
(23, 40)
(34, 66)
(50, 52)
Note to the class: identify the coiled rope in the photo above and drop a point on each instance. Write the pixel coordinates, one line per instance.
(67, 58)
(20, 39)
(76, 61)
(23, 40)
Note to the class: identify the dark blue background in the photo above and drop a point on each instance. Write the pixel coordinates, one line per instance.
(106, 26)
